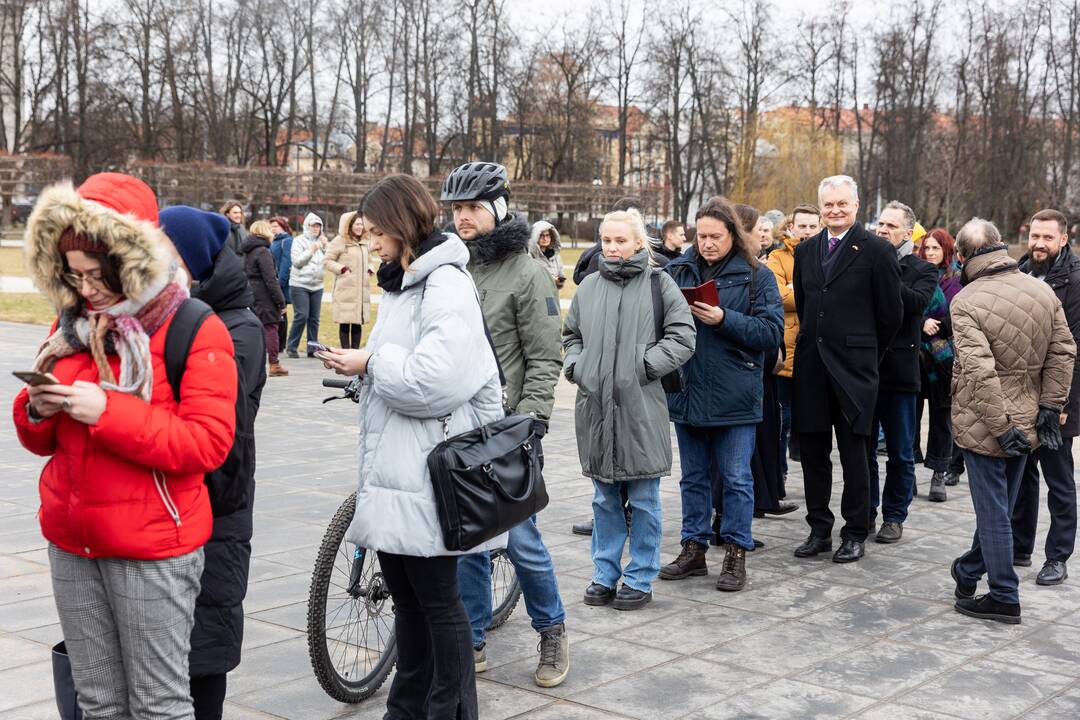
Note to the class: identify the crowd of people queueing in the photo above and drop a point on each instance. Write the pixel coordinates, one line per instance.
(800, 329)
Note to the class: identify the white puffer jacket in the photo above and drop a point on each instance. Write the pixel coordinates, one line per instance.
(430, 359)
(308, 257)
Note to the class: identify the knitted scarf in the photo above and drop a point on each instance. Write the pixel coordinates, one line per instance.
(939, 348)
(123, 329)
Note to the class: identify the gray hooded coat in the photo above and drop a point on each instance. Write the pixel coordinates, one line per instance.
(430, 359)
(616, 360)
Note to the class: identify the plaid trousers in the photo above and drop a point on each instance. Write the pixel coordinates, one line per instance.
(127, 626)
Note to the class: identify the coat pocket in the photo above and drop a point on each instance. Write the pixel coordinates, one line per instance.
(861, 341)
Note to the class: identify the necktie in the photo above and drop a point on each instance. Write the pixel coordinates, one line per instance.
(833, 242)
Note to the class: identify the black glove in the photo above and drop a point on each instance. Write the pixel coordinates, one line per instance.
(1014, 442)
(540, 428)
(1048, 428)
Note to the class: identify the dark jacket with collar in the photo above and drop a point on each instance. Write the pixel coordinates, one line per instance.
(1064, 279)
(269, 300)
(900, 363)
(522, 312)
(722, 382)
(849, 310)
(219, 614)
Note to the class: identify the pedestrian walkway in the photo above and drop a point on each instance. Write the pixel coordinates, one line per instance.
(874, 640)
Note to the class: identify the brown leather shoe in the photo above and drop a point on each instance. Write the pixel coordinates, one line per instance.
(691, 561)
(733, 575)
(277, 371)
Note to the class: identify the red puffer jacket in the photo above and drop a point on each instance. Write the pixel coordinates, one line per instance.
(131, 486)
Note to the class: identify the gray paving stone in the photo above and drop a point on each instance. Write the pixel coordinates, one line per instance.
(697, 628)
(877, 613)
(1053, 648)
(880, 669)
(986, 690)
(25, 685)
(1063, 705)
(567, 710)
(785, 648)
(687, 684)
(785, 699)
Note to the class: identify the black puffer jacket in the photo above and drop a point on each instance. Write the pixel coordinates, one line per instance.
(261, 274)
(1064, 278)
(219, 613)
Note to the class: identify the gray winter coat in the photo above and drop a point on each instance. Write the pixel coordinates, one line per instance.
(614, 357)
(430, 359)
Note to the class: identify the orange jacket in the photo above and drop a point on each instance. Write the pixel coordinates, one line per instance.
(782, 262)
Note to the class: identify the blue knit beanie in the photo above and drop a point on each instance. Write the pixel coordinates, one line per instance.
(198, 236)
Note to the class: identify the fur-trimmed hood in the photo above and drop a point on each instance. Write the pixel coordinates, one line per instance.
(122, 215)
(506, 239)
(534, 238)
(344, 223)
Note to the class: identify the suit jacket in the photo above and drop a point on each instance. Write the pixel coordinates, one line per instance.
(900, 365)
(849, 310)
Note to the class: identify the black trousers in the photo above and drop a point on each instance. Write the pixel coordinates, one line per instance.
(435, 678)
(349, 335)
(1057, 470)
(283, 331)
(208, 696)
(815, 448)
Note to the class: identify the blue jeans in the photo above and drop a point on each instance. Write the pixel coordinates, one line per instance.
(609, 533)
(535, 571)
(895, 415)
(994, 484)
(783, 394)
(728, 450)
(307, 306)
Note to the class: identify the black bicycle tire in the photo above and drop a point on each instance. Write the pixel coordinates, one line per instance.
(329, 679)
(501, 613)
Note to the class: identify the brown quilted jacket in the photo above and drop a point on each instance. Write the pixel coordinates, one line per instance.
(1014, 352)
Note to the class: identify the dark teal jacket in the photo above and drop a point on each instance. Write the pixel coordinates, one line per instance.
(722, 382)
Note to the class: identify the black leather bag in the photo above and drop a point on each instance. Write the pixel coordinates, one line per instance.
(486, 481)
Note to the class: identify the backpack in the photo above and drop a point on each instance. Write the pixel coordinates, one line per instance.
(185, 325)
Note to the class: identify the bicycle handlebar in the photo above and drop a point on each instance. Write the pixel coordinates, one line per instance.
(337, 384)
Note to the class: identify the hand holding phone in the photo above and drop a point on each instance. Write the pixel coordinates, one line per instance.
(34, 378)
(318, 350)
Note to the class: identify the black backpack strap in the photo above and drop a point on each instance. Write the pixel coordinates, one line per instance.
(185, 325)
(657, 305)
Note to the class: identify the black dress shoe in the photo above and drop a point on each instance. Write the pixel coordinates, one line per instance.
(782, 509)
(292, 353)
(951, 479)
(813, 545)
(597, 594)
(582, 528)
(1053, 573)
(985, 607)
(850, 551)
(630, 599)
(1021, 559)
(963, 591)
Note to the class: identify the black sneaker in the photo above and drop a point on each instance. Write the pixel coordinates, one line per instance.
(292, 353)
(951, 479)
(985, 607)
(582, 528)
(1021, 559)
(630, 599)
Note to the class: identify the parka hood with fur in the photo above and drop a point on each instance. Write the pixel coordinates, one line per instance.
(118, 210)
(506, 239)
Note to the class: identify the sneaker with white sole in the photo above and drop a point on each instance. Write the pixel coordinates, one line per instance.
(554, 664)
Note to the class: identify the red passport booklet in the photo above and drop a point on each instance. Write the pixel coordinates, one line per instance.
(705, 293)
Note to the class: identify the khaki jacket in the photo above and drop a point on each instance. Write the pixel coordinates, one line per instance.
(352, 290)
(1014, 353)
(782, 263)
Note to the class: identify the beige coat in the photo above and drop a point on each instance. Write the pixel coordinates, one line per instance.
(352, 290)
(1014, 352)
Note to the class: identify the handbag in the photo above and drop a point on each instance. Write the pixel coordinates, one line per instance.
(488, 479)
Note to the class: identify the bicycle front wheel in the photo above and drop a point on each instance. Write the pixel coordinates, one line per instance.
(350, 616)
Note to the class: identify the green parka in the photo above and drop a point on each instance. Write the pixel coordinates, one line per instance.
(521, 308)
(616, 360)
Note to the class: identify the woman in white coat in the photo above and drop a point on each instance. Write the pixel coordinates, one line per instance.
(422, 362)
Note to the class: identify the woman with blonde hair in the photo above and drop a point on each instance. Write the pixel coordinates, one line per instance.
(349, 259)
(616, 357)
(269, 300)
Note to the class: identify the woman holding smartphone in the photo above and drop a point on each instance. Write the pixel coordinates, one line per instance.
(420, 367)
(123, 502)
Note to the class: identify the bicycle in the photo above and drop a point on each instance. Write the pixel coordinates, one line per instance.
(350, 622)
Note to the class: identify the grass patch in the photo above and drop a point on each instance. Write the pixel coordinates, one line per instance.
(26, 308)
(11, 261)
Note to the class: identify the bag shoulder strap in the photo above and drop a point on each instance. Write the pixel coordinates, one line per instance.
(657, 305)
(185, 325)
(483, 320)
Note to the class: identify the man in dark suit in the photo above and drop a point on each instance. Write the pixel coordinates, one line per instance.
(847, 298)
(900, 379)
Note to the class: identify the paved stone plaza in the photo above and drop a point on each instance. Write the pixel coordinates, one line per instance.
(808, 639)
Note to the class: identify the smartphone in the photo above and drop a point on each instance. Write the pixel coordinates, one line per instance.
(318, 350)
(35, 378)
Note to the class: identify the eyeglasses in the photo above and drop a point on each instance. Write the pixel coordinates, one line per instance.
(76, 280)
